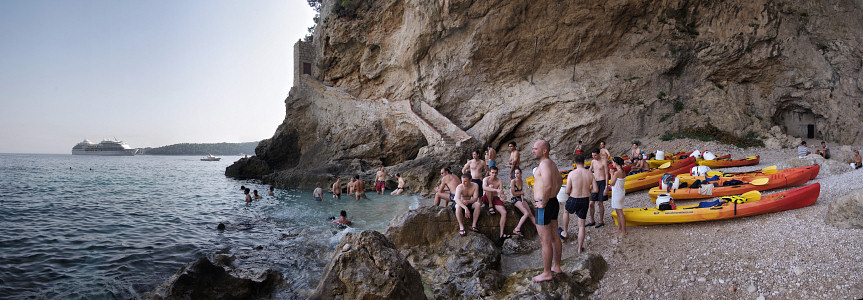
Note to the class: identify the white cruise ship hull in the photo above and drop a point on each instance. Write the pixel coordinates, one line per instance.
(126, 152)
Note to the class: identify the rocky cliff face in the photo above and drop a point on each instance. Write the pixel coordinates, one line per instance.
(576, 70)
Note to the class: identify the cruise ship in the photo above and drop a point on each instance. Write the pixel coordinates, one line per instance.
(106, 147)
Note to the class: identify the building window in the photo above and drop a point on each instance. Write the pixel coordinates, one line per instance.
(307, 68)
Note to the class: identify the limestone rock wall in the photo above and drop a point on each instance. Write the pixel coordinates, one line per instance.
(643, 67)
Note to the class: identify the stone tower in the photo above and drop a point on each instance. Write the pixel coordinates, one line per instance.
(304, 60)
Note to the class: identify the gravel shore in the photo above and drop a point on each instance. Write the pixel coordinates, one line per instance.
(784, 255)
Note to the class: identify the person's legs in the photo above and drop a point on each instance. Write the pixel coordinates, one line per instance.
(557, 248)
(501, 210)
(565, 232)
(524, 215)
(621, 221)
(590, 210)
(476, 208)
(580, 235)
(441, 195)
(458, 213)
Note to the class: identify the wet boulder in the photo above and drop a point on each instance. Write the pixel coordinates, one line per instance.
(204, 280)
(366, 265)
(580, 278)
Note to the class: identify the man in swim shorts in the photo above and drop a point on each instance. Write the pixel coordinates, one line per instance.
(514, 159)
(492, 156)
(493, 188)
(579, 186)
(466, 202)
(448, 183)
(599, 168)
(476, 166)
(380, 181)
(547, 183)
(359, 188)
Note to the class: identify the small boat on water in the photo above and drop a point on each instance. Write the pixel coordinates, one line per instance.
(210, 157)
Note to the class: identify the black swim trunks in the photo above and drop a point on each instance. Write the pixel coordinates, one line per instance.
(452, 197)
(469, 207)
(578, 206)
(601, 185)
(479, 185)
(515, 199)
(545, 215)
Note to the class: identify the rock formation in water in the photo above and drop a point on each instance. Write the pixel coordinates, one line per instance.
(204, 280)
(415, 85)
(367, 266)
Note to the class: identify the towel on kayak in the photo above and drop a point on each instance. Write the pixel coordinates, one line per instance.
(706, 189)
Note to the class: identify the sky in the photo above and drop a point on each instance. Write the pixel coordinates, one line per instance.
(150, 73)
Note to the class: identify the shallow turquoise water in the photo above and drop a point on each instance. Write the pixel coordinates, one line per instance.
(116, 227)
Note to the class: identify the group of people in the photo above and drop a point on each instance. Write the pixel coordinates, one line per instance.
(824, 151)
(587, 189)
(357, 187)
(255, 195)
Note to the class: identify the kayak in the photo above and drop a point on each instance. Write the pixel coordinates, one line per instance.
(659, 170)
(727, 163)
(637, 184)
(787, 200)
(657, 162)
(689, 179)
(758, 183)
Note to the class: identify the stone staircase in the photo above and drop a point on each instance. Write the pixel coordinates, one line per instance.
(448, 134)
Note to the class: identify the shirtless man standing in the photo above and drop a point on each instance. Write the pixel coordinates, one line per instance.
(380, 180)
(493, 188)
(546, 185)
(492, 156)
(599, 168)
(359, 188)
(351, 186)
(605, 156)
(446, 190)
(337, 188)
(476, 166)
(579, 186)
(514, 160)
(466, 200)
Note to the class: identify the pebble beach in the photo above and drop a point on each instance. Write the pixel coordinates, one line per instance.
(783, 255)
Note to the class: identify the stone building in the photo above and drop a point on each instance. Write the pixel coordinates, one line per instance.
(304, 58)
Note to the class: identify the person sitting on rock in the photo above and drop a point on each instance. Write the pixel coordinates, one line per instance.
(518, 201)
(824, 150)
(466, 202)
(448, 183)
(855, 161)
(802, 150)
(476, 166)
(493, 188)
(401, 188)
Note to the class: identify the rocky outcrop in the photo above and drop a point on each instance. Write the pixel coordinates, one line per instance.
(455, 267)
(580, 278)
(367, 266)
(847, 211)
(828, 166)
(247, 168)
(204, 280)
(564, 71)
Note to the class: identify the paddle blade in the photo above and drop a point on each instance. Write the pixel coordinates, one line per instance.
(665, 165)
(760, 181)
(769, 170)
(752, 157)
(713, 173)
(752, 196)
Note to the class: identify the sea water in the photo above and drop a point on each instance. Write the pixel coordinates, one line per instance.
(91, 227)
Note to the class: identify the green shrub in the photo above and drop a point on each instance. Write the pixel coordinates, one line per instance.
(678, 106)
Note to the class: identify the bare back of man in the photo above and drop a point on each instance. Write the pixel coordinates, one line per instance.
(360, 190)
(546, 185)
(579, 186)
(446, 190)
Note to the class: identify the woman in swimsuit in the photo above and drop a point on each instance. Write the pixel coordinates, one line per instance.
(517, 193)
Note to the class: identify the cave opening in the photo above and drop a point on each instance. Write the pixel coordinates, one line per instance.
(798, 122)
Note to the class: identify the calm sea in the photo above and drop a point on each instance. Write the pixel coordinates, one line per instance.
(117, 227)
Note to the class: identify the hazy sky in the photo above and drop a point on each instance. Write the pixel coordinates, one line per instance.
(151, 73)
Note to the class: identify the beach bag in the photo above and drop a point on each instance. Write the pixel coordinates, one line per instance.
(665, 206)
